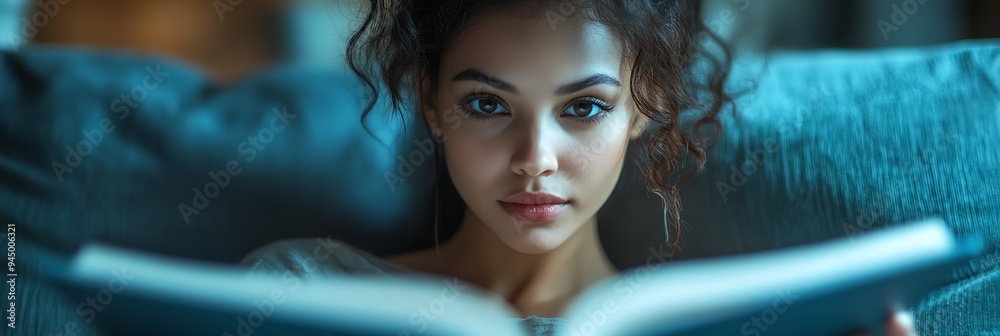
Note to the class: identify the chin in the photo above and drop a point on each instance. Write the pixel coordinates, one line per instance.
(536, 238)
(532, 248)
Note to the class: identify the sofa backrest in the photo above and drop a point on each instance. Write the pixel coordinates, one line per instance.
(146, 153)
(837, 143)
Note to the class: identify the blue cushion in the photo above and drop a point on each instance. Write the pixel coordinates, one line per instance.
(839, 143)
(134, 164)
(125, 183)
(845, 142)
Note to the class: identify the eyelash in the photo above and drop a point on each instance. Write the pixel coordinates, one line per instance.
(601, 104)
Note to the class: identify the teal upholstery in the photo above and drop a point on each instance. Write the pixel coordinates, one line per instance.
(838, 143)
(828, 144)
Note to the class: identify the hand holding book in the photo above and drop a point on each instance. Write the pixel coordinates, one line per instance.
(899, 323)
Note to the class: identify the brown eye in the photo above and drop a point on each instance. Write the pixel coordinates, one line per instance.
(588, 110)
(486, 106)
(584, 109)
(483, 106)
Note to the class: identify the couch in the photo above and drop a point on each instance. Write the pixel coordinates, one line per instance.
(145, 152)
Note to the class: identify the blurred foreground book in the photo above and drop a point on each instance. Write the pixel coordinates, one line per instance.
(831, 288)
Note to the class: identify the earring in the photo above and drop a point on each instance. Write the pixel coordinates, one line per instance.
(437, 219)
(437, 197)
(438, 135)
(666, 227)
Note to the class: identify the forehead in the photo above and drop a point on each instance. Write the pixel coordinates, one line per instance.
(533, 51)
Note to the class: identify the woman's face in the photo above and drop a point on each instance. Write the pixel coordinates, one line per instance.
(529, 105)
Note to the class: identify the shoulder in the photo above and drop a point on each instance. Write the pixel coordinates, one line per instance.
(316, 257)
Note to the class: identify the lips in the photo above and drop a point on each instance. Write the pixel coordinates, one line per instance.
(534, 207)
(534, 198)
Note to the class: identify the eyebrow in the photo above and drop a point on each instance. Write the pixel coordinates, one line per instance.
(592, 80)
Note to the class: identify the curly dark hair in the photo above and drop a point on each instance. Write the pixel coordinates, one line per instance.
(676, 81)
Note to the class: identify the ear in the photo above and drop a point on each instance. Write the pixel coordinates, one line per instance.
(638, 125)
(428, 103)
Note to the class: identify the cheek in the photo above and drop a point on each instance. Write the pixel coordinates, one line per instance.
(471, 163)
(599, 155)
(597, 169)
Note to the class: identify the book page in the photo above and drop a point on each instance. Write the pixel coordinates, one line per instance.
(685, 294)
(225, 300)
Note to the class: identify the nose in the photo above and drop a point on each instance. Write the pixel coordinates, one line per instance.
(536, 154)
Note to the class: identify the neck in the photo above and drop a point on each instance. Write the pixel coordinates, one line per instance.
(537, 284)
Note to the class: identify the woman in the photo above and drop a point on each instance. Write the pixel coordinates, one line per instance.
(533, 104)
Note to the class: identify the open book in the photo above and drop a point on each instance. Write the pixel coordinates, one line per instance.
(830, 288)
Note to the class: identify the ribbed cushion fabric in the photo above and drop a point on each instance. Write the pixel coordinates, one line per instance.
(309, 169)
(839, 143)
(828, 144)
